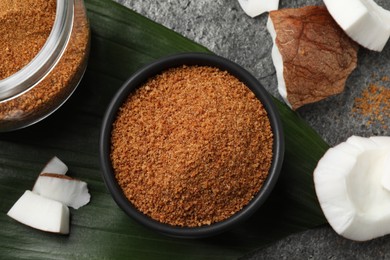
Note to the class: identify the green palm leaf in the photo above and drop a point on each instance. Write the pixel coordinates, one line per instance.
(122, 42)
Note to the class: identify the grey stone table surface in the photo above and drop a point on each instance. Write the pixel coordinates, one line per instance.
(222, 27)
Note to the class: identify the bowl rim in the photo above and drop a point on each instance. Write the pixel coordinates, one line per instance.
(135, 81)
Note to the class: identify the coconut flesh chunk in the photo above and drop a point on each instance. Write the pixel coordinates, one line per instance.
(41, 213)
(55, 165)
(256, 7)
(72, 192)
(312, 56)
(352, 185)
(363, 20)
(45, 208)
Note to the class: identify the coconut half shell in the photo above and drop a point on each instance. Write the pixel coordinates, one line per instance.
(312, 55)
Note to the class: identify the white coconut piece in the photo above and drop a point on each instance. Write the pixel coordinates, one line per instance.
(362, 143)
(55, 165)
(72, 192)
(41, 213)
(385, 180)
(277, 60)
(257, 7)
(384, 142)
(363, 20)
(352, 185)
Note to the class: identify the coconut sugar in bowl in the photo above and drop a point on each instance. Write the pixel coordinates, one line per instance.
(191, 145)
(45, 46)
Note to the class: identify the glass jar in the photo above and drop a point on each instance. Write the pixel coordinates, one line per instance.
(48, 80)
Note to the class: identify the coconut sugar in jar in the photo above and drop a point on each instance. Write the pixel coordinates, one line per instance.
(45, 46)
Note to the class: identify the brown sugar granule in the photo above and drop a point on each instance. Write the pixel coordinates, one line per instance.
(25, 26)
(385, 79)
(192, 146)
(374, 103)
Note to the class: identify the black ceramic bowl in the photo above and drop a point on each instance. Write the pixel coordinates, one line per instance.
(137, 80)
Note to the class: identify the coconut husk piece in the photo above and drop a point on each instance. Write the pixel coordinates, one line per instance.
(317, 56)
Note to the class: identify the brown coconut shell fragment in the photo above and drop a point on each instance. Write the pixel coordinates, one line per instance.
(317, 55)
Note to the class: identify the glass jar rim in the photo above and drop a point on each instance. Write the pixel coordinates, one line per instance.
(46, 59)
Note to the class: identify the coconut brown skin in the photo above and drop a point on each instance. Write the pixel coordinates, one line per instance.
(317, 55)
